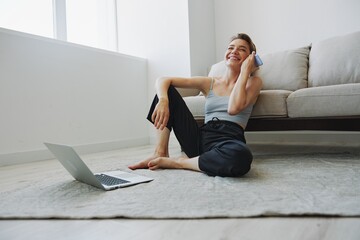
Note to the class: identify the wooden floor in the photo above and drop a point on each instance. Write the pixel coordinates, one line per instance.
(314, 228)
(254, 228)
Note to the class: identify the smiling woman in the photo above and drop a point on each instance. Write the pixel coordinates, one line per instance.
(218, 148)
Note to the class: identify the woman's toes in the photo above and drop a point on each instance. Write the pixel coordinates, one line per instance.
(139, 165)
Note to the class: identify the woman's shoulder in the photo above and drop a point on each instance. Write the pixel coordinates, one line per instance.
(204, 83)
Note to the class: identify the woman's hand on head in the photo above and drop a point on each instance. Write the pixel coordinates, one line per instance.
(161, 114)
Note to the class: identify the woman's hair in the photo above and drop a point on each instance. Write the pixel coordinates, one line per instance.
(245, 37)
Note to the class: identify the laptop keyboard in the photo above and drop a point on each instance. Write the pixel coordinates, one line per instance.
(109, 180)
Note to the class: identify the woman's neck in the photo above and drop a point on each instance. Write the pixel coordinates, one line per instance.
(231, 76)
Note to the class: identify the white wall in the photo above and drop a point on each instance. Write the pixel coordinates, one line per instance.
(62, 92)
(157, 30)
(283, 24)
(202, 36)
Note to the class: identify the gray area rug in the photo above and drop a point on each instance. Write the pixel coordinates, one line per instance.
(326, 184)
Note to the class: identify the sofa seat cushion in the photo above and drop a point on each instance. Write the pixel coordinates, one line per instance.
(196, 105)
(184, 92)
(335, 61)
(271, 103)
(327, 101)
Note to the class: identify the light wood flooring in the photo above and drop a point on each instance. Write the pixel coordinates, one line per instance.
(314, 228)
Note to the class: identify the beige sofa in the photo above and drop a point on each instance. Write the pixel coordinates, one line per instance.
(315, 87)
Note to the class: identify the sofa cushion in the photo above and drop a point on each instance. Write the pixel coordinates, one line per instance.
(326, 101)
(184, 92)
(217, 70)
(196, 105)
(271, 103)
(335, 61)
(285, 70)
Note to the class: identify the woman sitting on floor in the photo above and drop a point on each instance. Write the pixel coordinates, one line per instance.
(218, 148)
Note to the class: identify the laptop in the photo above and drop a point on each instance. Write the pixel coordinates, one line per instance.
(78, 169)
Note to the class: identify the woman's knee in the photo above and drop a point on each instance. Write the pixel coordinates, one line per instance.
(232, 160)
(239, 163)
(241, 167)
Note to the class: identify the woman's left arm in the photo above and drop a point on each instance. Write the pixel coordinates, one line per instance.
(247, 88)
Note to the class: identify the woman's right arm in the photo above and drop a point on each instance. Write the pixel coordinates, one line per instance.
(201, 83)
(161, 113)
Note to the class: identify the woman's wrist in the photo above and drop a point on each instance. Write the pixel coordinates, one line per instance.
(163, 99)
(244, 77)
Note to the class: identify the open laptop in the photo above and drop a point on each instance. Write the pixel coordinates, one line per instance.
(78, 169)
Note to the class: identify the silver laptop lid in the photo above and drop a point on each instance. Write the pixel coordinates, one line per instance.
(73, 164)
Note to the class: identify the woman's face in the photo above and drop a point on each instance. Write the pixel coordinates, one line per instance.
(238, 50)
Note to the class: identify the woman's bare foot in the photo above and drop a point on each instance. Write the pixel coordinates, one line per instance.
(145, 163)
(156, 162)
(166, 162)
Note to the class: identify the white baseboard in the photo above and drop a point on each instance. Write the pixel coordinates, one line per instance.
(44, 154)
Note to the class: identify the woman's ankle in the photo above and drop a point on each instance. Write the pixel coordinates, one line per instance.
(161, 153)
